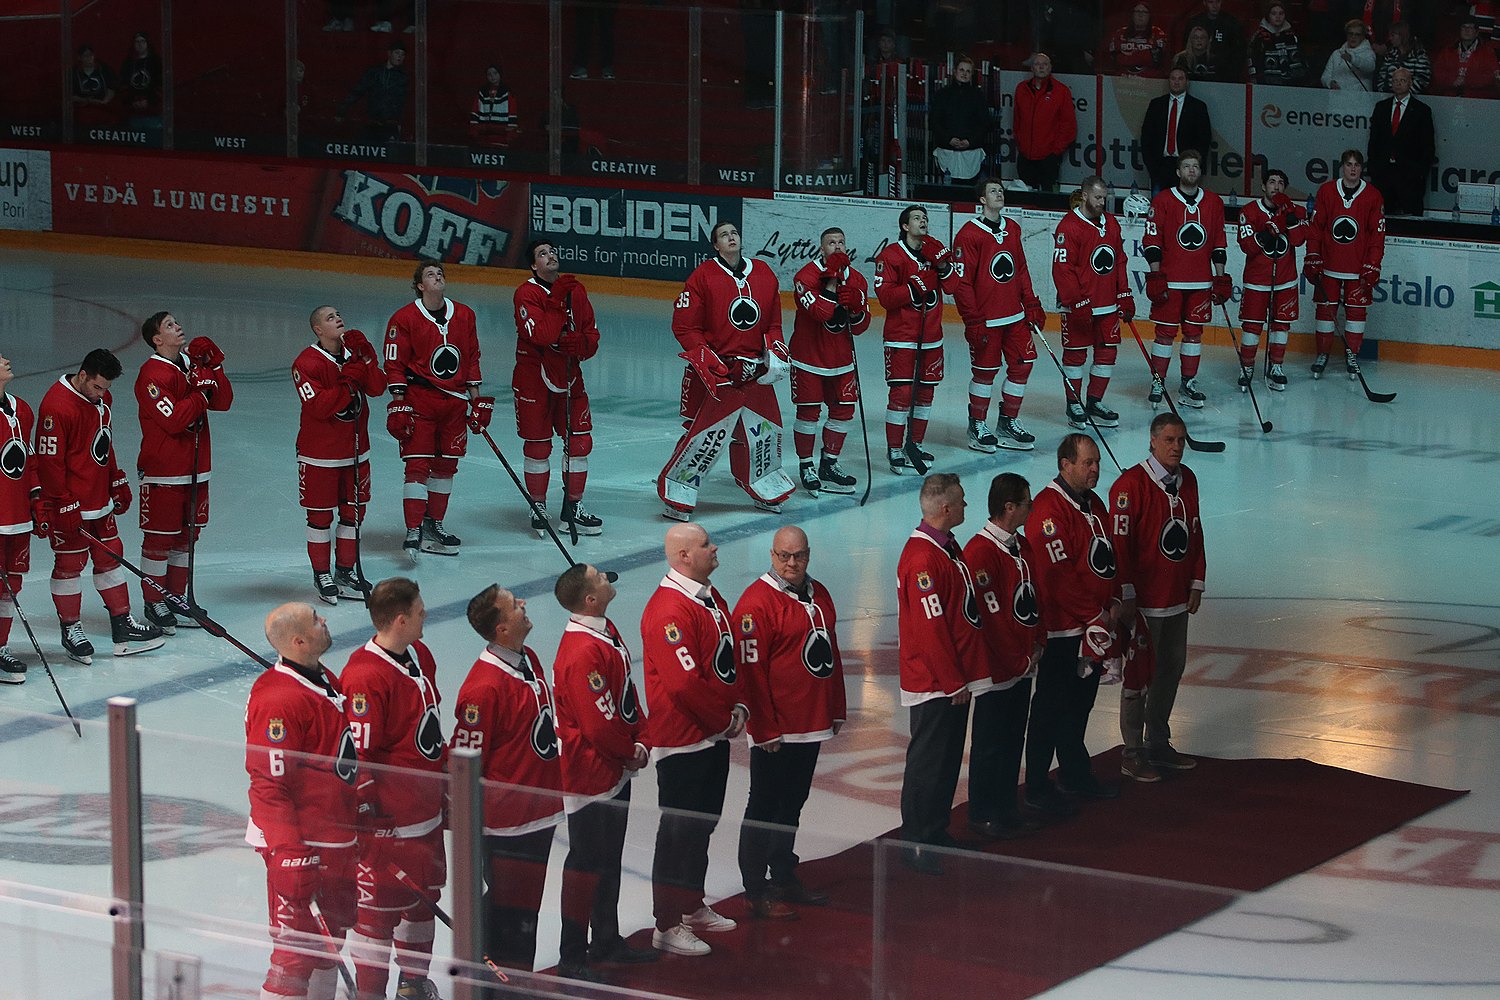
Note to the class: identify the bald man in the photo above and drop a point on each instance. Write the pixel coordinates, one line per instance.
(794, 684)
(696, 708)
(302, 764)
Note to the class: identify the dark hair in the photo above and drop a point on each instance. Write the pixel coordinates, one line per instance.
(1008, 487)
(531, 249)
(1093, 181)
(390, 599)
(85, 49)
(572, 587)
(102, 363)
(1190, 154)
(1275, 172)
(1353, 154)
(1067, 448)
(713, 234)
(829, 232)
(483, 616)
(1167, 419)
(985, 182)
(422, 265)
(151, 327)
(312, 318)
(906, 213)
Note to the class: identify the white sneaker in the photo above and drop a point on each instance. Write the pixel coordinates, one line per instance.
(680, 940)
(383, 27)
(707, 919)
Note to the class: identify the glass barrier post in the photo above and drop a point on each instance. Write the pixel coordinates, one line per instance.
(554, 88)
(467, 821)
(857, 77)
(293, 84)
(168, 78)
(423, 75)
(695, 95)
(781, 90)
(125, 847)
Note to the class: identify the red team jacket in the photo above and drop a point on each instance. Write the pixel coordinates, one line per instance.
(893, 269)
(333, 410)
(598, 712)
(20, 481)
(169, 407)
(1046, 123)
(736, 316)
(506, 713)
(302, 762)
(1187, 235)
(422, 351)
(538, 329)
(75, 450)
(793, 671)
(1088, 263)
(1008, 602)
(823, 330)
(691, 675)
(393, 714)
(1158, 539)
(1075, 561)
(991, 282)
(937, 615)
(1262, 246)
(1348, 232)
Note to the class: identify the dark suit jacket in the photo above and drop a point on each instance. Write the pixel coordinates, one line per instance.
(1193, 132)
(1399, 163)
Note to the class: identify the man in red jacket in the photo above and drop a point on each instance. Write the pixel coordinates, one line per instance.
(1045, 124)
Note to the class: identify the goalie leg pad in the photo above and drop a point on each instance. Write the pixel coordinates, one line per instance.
(699, 447)
(755, 454)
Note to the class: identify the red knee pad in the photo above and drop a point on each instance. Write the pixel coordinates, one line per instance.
(537, 450)
(418, 470)
(444, 468)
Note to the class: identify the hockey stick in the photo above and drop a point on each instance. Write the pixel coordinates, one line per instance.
(437, 911)
(864, 428)
(179, 605)
(192, 525)
(359, 511)
(1265, 425)
(1370, 394)
(909, 449)
(1036, 331)
(537, 511)
(332, 947)
(1209, 446)
(5, 579)
(568, 427)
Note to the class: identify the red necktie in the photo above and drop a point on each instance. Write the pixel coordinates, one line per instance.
(1396, 117)
(1172, 129)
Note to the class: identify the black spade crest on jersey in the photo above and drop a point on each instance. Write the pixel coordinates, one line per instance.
(744, 313)
(1173, 539)
(930, 301)
(724, 659)
(346, 765)
(13, 459)
(544, 734)
(1191, 236)
(1023, 604)
(1102, 260)
(839, 321)
(99, 449)
(1345, 229)
(1003, 267)
(1273, 244)
(429, 734)
(444, 362)
(817, 653)
(1102, 558)
(971, 607)
(630, 705)
(352, 410)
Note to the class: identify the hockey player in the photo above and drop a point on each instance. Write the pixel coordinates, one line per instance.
(1088, 270)
(1184, 246)
(1345, 247)
(83, 488)
(728, 321)
(1271, 230)
(303, 767)
(391, 699)
(335, 378)
(992, 287)
(832, 309)
(432, 368)
(173, 393)
(555, 334)
(19, 493)
(909, 278)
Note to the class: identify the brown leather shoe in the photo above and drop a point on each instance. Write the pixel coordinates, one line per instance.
(770, 908)
(1163, 755)
(1136, 767)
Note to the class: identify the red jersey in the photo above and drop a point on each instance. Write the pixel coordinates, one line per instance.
(75, 450)
(598, 712)
(505, 712)
(1136, 55)
(433, 352)
(174, 421)
(991, 282)
(19, 483)
(736, 315)
(334, 411)
(794, 673)
(301, 759)
(1007, 600)
(894, 267)
(393, 713)
(937, 618)
(1185, 236)
(1158, 537)
(1266, 248)
(691, 677)
(1075, 563)
(823, 330)
(1347, 230)
(538, 329)
(1088, 262)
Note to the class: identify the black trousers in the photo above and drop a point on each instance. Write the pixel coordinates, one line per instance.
(999, 733)
(779, 786)
(591, 875)
(1040, 174)
(933, 758)
(690, 792)
(1059, 716)
(515, 871)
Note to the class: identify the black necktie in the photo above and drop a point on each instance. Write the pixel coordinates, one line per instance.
(1170, 485)
(1013, 546)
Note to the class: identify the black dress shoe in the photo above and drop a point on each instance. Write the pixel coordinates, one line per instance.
(798, 894)
(619, 952)
(1051, 802)
(1004, 828)
(922, 860)
(579, 972)
(1093, 788)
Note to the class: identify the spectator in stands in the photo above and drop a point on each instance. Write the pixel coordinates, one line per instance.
(1402, 146)
(1045, 124)
(1226, 40)
(1403, 51)
(594, 32)
(93, 88)
(1067, 32)
(1351, 66)
(1197, 58)
(493, 119)
(1485, 13)
(959, 121)
(140, 76)
(1275, 51)
(1421, 16)
(1468, 68)
(1137, 47)
(1174, 121)
(383, 88)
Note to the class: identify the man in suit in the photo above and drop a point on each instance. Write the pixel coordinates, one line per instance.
(1174, 121)
(1402, 147)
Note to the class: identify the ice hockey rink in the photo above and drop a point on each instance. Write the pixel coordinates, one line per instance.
(1351, 618)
